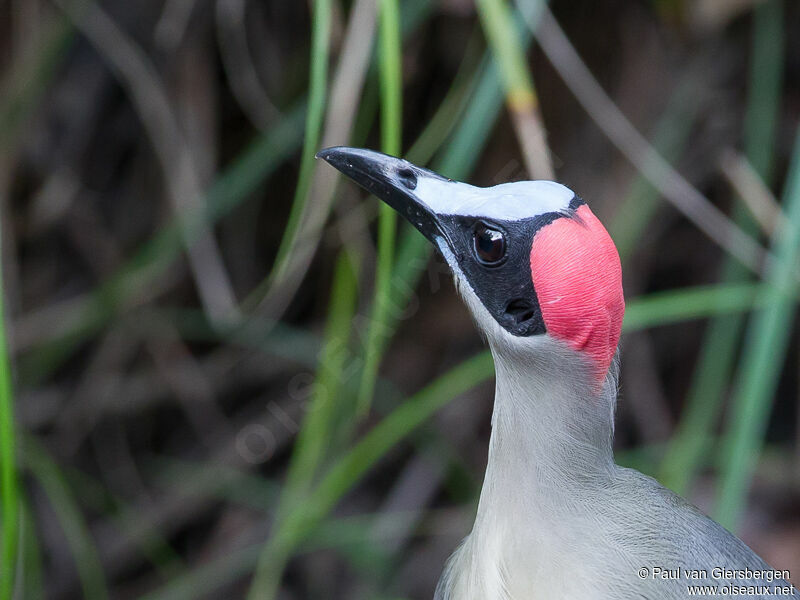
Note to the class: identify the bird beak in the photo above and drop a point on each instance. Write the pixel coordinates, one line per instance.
(395, 181)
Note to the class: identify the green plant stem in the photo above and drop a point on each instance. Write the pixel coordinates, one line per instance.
(391, 131)
(87, 561)
(312, 440)
(27, 84)
(8, 462)
(318, 424)
(30, 585)
(391, 76)
(317, 91)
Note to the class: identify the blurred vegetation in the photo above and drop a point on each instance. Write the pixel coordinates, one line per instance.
(226, 373)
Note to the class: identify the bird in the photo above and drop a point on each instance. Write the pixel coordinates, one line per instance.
(556, 517)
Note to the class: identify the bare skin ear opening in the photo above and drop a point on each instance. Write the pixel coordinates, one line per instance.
(519, 310)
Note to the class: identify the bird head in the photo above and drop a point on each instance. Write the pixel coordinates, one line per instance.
(531, 260)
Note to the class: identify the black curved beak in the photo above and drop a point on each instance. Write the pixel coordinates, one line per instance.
(391, 179)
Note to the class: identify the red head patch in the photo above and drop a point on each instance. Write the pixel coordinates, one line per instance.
(578, 281)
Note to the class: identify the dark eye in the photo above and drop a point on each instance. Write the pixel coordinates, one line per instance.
(490, 244)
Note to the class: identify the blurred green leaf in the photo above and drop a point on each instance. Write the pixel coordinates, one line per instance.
(642, 201)
(718, 352)
(349, 469)
(89, 313)
(673, 306)
(76, 532)
(95, 497)
(766, 343)
(26, 83)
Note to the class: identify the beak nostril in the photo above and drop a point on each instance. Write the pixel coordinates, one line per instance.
(407, 177)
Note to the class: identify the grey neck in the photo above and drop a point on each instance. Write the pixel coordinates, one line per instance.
(552, 429)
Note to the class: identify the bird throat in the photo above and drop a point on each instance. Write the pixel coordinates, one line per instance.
(550, 448)
(551, 426)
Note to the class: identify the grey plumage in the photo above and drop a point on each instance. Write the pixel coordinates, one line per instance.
(557, 517)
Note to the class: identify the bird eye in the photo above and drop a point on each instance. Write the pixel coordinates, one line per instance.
(490, 245)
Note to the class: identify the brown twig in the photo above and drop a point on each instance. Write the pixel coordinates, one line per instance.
(753, 191)
(635, 147)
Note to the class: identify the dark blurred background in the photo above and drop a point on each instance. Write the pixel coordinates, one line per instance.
(206, 399)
